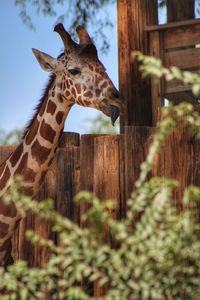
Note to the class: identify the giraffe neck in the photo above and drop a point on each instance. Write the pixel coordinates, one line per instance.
(32, 157)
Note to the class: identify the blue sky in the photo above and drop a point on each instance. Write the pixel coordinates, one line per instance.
(21, 78)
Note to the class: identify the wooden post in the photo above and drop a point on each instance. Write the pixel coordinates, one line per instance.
(133, 16)
(156, 49)
(180, 10)
(109, 181)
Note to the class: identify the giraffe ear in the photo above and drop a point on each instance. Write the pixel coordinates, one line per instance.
(47, 62)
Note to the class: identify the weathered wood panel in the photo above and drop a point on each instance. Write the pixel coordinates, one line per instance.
(108, 170)
(87, 169)
(182, 36)
(137, 142)
(179, 159)
(109, 181)
(174, 86)
(68, 174)
(157, 86)
(133, 16)
(180, 10)
(183, 59)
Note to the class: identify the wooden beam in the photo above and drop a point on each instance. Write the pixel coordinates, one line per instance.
(170, 25)
(133, 16)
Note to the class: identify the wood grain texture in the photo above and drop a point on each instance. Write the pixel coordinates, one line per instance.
(180, 10)
(157, 86)
(179, 159)
(68, 172)
(183, 59)
(109, 181)
(176, 24)
(188, 35)
(87, 169)
(137, 142)
(132, 18)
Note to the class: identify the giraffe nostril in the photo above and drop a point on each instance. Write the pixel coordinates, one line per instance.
(115, 94)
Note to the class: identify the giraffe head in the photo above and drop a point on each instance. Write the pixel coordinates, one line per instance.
(80, 77)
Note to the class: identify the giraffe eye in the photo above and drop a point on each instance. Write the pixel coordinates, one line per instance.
(74, 71)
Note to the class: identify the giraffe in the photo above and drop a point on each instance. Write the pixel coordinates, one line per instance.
(76, 76)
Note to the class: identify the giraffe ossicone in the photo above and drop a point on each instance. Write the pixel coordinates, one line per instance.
(77, 76)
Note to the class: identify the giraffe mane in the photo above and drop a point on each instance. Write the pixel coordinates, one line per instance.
(39, 105)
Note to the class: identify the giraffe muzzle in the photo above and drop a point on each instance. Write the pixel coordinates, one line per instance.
(115, 112)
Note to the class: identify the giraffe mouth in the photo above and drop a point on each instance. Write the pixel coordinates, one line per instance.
(114, 113)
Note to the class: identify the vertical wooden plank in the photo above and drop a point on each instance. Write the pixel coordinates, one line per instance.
(180, 10)
(69, 139)
(107, 169)
(68, 171)
(137, 142)
(179, 159)
(86, 169)
(133, 16)
(86, 182)
(108, 165)
(157, 86)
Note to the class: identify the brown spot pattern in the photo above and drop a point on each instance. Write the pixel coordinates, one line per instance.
(28, 190)
(91, 67)
(32, 132)
(16, 155)
(22, 165)
(104, 85)
(4, 229)
(2, 167)
(39, 152)
(78, 88)
(51, 107)
(98, 79)
(67, 93)
(4, 179)
(47, 132)
(42, 109)
(42, 177)
(6, 244)
(73, 91)
(59, 117)
(22, 169)
(60, 98)
(98, 92)
(7, 211)
(67, 84)
(88, 94)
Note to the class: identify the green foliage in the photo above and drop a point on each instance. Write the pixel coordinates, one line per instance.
(153, 66)
(10, 138)
(155, 251)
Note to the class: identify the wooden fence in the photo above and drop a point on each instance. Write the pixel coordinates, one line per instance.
(107, 165)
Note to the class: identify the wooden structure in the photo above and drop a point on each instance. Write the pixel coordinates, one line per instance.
(176, 44)
(109, 171)
(113, 163)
